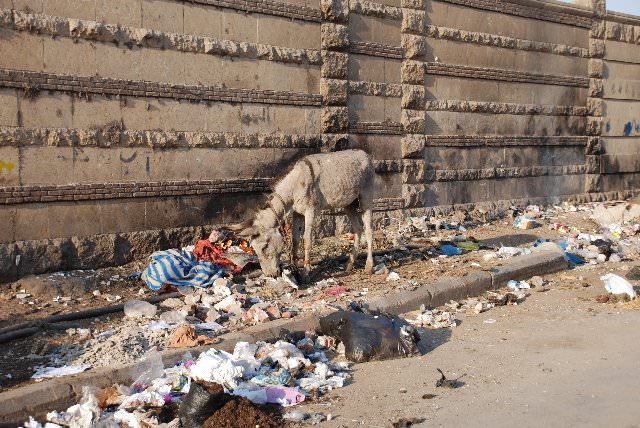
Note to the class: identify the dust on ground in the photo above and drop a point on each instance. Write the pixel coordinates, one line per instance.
(84, 341)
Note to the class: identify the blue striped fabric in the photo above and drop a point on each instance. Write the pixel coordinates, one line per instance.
(179, 268)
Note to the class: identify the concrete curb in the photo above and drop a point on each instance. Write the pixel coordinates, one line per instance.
(543, 260)
(36, 399)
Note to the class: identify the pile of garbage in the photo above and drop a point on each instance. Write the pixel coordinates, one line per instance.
(445, 316)
(191, 392)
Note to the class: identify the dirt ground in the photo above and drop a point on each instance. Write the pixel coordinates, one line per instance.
(559, 359)
(18, 361)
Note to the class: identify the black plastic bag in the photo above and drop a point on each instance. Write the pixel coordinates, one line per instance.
(202, 401)
(367, 337)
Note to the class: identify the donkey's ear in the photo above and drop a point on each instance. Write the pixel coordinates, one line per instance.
(245, 229)
(239, 226)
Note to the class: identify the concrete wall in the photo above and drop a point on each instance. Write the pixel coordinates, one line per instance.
(121, 121)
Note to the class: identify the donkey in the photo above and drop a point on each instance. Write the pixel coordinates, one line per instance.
(339, 180)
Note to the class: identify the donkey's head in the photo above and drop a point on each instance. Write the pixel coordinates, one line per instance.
(266, 240)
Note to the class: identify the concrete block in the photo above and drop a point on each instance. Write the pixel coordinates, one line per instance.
(312, 120)
(203, 69)
(126, 13)
(135, 163)
(471, 19)
(118, 216)
(380, 147)
(471, 54)
(19, 50)
(620, 51)
(118, 63)
(46, 110)
(256, 118)
(46, 165)
(31, 222)
(612, 164)
(367, 69)
(279, 31)
(621, 118)
(63, 55)
(79, 9)
(203, 20)
(392, 109)
(366, 108)
(545, 260)
(392, 73)
(386, 31)
(163, 16)
(400, 303)
(9, 166)
(8, 107)
(240, 73)
(289, 119)
(92, 164)
(388, 185)
(270, 77)
(96, 113)
(239, 26)
(165, 66)
(73, 219)
(361, 28)
(7, 235)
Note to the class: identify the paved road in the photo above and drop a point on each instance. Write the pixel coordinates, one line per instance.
(557, 360)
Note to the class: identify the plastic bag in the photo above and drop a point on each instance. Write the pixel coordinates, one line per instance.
(368, 337)
(139, 309)
(149, 368)
(202, 401)
(617, 285)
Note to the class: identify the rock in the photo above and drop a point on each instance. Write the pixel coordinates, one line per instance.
(221, 282)
(615, 258)
(207, 314)
(173, 317)
(633, 274)
(273, 312)
(139, 309)
(603, 298)
(192, 299)
(173, 303)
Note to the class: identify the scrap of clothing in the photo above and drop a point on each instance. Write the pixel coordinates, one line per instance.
(215, 253)
(180, 268)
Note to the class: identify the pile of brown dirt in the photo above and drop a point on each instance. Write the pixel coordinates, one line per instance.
(239, 412)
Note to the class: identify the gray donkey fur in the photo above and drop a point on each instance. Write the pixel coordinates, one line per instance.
(340, 180)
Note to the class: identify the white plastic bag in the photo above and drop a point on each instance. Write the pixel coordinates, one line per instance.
(615, 284)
